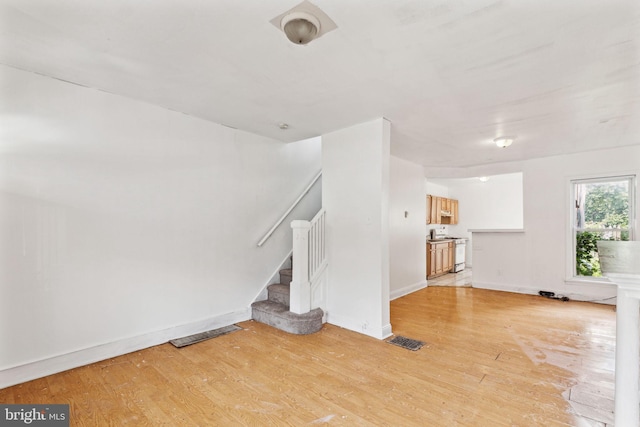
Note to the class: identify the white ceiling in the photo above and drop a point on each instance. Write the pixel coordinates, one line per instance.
(450, 75)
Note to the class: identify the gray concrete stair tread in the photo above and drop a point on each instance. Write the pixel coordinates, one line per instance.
(278, 315)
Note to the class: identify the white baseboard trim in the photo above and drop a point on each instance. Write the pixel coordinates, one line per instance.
(360, 327)
(601, 293)
(505, 288)
(52, 365)
(591, 291)
(407, 290)
(386, 331)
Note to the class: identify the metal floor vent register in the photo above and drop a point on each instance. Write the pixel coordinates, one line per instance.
(407, 343)
(202, 336)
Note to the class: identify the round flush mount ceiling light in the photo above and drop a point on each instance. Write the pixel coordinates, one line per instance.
(300, 27)
(504, 141)
(483, 178)
(303, 23)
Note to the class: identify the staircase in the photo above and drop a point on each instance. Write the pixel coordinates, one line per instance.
(274, 311)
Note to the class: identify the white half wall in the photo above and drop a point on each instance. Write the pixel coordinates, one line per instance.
(543, 251)
(122, 223)
(501, 258)
(355, 192)
(407, 218)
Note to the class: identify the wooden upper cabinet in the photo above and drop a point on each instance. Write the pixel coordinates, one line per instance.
(437, 205)
(454, 211)
(434, 204)
(446, 205)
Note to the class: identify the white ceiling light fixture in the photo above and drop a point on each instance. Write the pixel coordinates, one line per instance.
(483, 178)
(304, 23)
(300, 27)
(504, 141)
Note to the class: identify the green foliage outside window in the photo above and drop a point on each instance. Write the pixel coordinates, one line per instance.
(607, 205)
(587, 263)
(606, 209)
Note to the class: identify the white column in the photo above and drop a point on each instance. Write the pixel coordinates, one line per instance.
(627, 402)
(355, 193)
(300, 296)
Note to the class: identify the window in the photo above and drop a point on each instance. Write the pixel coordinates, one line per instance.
(604, 210)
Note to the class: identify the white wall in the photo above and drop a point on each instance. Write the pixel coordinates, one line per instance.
(544, 250)
(496, 203)
(355, 192)
(407, 246)
(124, 224)
(437, 189)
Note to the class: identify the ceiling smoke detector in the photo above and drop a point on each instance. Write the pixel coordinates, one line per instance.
(304, 23)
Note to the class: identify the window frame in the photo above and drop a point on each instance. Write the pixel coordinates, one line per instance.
(572, 275)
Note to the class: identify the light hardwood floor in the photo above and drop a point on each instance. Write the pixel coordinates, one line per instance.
(490, 359)
(462, 278)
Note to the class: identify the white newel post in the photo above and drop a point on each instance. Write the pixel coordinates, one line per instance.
(620, 262)
(627, 409)
(300, 297)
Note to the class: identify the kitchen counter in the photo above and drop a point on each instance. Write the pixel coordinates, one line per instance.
(447, 239)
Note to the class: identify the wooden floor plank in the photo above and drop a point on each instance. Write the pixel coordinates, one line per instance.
(490, 359)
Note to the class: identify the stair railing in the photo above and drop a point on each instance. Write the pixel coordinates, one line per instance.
(309, 260)
(317, 251)
(284, 216)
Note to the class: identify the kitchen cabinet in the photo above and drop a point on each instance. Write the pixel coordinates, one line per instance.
(436, 210)
(439, 258)
(441, 210)
(446, 204)
(431, 260)
(454, 211)
(434, 207)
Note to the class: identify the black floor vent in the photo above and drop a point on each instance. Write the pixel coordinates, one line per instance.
(407, 343)
(202, 336)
